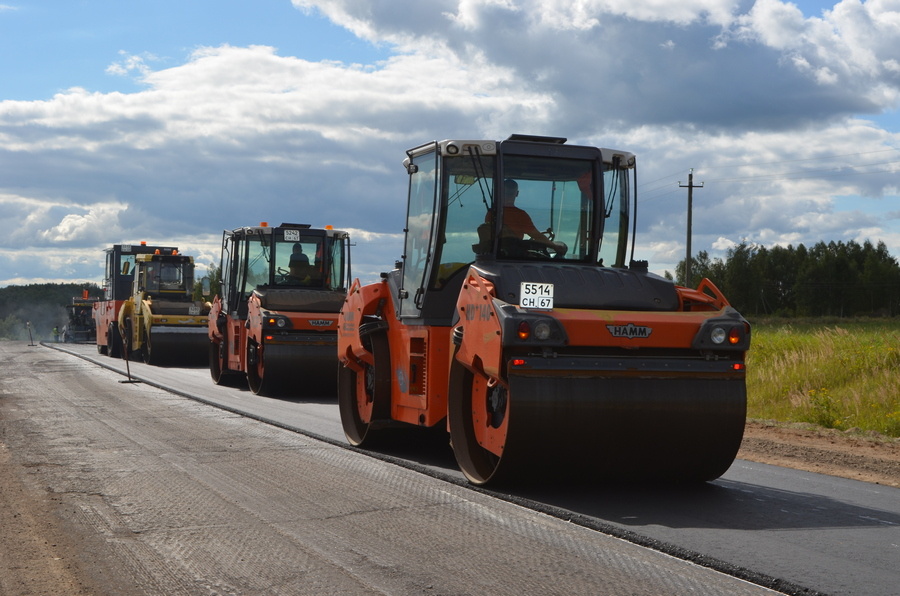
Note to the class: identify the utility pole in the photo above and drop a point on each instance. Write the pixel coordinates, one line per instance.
(687, 259)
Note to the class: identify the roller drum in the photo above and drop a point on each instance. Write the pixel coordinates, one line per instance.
(175, 346)
(586, 428)
(296, 369)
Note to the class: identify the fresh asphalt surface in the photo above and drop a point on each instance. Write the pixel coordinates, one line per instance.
(796, 531)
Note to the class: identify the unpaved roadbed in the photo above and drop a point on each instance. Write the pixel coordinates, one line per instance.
(867, 457)
(125, 489)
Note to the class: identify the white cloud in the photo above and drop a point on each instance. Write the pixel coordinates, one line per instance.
(131, 64)
(96, 220)
(722, 244)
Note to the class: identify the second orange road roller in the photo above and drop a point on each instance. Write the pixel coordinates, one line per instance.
(518, 320)
(275, 320)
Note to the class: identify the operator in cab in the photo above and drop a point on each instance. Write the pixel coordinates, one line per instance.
(517, 223)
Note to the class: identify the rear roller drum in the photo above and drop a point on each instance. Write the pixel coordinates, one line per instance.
(365, 399)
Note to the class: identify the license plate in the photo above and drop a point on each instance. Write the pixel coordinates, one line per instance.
(536, 296)
(194, 310)
(292, 235)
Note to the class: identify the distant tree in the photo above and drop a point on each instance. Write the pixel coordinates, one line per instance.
(777, 270)
(214, 278)
(838, 279)
(13, 328)
(880, 280)
(741, 284)
(701, 266)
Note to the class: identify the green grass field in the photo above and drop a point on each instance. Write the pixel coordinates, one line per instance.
(841, 373)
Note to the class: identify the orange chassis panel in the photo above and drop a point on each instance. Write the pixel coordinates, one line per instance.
(420, 355)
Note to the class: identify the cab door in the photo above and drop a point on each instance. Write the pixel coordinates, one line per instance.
(420, 223)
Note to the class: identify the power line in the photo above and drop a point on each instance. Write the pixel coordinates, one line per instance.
(847, 169)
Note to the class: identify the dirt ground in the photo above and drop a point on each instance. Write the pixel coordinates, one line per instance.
(42, 555)
(868, 457)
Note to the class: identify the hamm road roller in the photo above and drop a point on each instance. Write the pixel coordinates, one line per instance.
(161, 320)
(514, 319)
(275, 319)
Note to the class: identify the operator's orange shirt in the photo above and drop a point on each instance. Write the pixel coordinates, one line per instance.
(516, 223)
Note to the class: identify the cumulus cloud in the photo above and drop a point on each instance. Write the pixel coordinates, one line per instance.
(645, 62)
(95, 220)
(131, 64)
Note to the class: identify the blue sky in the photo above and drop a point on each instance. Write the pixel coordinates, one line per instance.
(170, 121)
(48, 46)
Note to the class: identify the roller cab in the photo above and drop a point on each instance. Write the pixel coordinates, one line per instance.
(275, 320)
(529, 337)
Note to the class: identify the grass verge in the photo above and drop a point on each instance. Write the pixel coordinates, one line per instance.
(841, 373)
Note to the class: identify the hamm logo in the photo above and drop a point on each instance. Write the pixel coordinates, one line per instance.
(320, 322)
(629, 331)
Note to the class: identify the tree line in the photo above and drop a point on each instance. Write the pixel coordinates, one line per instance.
(41, 305)
(834, 279)
(32, 311)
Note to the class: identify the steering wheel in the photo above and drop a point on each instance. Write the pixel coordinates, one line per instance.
(282, 276)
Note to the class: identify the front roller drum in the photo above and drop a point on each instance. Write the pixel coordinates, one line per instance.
(291, 369)
(594, 429)
(173, 346)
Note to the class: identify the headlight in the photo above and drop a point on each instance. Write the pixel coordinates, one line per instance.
(729, 332)
(279, 322)
(542, 331)
(718, 335)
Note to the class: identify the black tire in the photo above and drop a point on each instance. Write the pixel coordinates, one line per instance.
(376, 394)
(256, 369)
(477, 463)
(114, 341)
(147, 354)
(216, 361)
(128, 342)
(220, 374)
